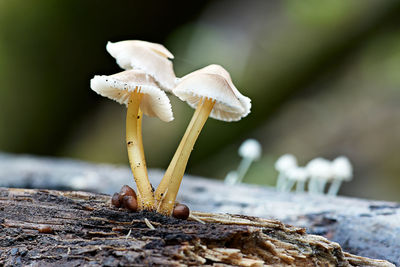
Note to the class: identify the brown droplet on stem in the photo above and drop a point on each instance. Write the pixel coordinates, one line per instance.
(45, 230)
(115, 200)
(126, 190)
(181, 211)
(130, 203)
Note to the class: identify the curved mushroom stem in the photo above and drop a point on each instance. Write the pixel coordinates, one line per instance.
(243, 168)
(136, 157)
(162, 188)
(300, 186)
(282, 180)
(169, 186)
(335, 186)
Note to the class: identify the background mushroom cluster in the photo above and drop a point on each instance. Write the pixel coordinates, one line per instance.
(317, 174)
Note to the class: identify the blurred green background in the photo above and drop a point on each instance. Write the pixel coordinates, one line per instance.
(323, 76)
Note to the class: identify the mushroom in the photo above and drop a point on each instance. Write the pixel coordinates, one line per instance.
(115, 200)
(298, 176)
(152, 58)
(341, 171)
(231, 178)
(130, 203)
(126, 190)
(283, 165)
(181, 211)
(142, 95)
(212, 92)
(320, 172)
(250, 150)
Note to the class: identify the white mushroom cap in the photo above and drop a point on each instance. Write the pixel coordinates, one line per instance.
(155, 103)
(342, 169)
(152, 58)
(285, 162)
(320, 168)
(299, 174)
(214, 82)
(250, 148)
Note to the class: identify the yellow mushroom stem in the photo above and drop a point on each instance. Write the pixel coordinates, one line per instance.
(136, 156)
(169, 186)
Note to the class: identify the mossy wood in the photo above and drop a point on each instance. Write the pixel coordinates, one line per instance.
(70, 228)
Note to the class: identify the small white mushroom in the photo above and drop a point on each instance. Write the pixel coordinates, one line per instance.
(341, 171)
(140, 93)
(120, 86)
(298, 176)
(282, 165)
(212, 92)
(250, 150)
(152, 58)
(231, 178)
(230, 104)
(320, 172)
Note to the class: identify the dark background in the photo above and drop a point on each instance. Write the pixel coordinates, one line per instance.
(323, 77)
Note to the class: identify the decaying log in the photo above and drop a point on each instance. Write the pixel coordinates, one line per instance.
(71, 228)
(362, 227)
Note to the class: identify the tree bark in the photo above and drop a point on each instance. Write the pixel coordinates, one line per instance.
(73, 228)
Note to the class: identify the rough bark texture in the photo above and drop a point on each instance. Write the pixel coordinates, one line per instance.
(362, 227)
(70, 228)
